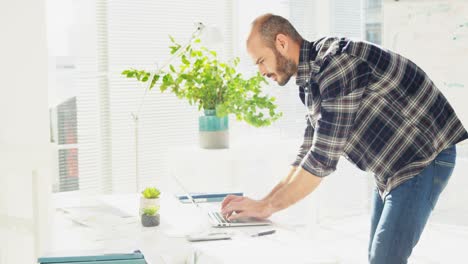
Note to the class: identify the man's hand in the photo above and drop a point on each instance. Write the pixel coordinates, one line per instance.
(284, 195)
(244, 207)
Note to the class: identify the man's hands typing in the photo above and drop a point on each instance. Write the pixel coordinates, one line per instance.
(234, 207)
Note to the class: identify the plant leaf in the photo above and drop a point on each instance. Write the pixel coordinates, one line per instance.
(172, 39)
(185, 60)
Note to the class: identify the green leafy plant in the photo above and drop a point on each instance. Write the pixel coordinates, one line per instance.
(204, 80)
(151, 193)
(151, 211)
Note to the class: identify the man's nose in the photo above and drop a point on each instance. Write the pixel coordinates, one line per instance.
(262, 70)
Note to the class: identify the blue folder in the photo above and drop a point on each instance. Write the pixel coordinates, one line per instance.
(130, 258)
(206, 197)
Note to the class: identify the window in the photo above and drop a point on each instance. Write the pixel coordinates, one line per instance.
(91, 42)
(371, 4)
(373, 21)
(374, 33)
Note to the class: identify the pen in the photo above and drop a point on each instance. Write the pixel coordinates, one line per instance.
(264, 233)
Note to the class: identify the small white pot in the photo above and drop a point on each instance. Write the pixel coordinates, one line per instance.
(144, 203)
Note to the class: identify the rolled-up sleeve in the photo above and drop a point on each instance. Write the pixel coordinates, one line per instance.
(341, 84)
(306, 144)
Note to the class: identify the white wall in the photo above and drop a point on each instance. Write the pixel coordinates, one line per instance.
(24, 131)
(434, 34)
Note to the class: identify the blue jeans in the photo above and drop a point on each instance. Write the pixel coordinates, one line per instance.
(398, 221)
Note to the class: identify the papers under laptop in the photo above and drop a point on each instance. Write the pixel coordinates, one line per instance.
(218, 220)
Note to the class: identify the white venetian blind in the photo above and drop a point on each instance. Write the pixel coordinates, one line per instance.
(346, 18)
(91, 43)
(90, 36)
(138, 37)
(77, 94)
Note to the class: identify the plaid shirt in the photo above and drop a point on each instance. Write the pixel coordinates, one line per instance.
(376, 108)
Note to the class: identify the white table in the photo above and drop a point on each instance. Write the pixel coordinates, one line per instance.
(120, 231)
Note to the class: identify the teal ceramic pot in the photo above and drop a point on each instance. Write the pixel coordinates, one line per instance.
(213, 130)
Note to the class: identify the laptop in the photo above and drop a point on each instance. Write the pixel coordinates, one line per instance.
(218, 220)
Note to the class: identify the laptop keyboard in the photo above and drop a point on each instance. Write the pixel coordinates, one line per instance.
(220, 217)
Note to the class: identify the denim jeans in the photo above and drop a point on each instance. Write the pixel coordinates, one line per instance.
(398, 221)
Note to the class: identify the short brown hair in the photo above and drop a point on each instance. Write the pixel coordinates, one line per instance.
(269, 26)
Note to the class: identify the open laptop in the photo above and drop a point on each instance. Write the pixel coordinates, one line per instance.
(218, 220)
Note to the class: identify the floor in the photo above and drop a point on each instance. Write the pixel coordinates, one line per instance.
(441, 242)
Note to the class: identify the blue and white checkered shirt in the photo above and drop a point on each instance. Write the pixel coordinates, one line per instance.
(374, 107)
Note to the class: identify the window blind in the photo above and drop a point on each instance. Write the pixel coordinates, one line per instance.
(346, 18)
(138, 37)
(98, 40)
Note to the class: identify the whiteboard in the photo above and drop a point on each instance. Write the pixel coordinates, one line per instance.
(434, 35)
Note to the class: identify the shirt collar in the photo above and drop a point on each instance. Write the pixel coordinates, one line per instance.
(306, 54)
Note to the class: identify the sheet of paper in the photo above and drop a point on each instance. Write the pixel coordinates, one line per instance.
(281, 247)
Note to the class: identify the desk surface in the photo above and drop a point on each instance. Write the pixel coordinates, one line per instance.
(110, 224)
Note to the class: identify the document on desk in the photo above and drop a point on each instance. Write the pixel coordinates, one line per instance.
(281, 247)
(183, 219)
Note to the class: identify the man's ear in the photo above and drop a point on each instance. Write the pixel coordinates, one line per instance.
(282, 44)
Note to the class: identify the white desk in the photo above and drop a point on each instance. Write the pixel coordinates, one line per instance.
(166, 243)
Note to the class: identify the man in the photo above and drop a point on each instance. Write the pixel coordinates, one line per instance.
(376, 108)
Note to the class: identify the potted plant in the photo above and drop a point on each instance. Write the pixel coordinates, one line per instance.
(216, 87)
(150, 216)
(149, 198)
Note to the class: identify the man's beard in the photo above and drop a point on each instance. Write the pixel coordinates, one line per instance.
(284, 68)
